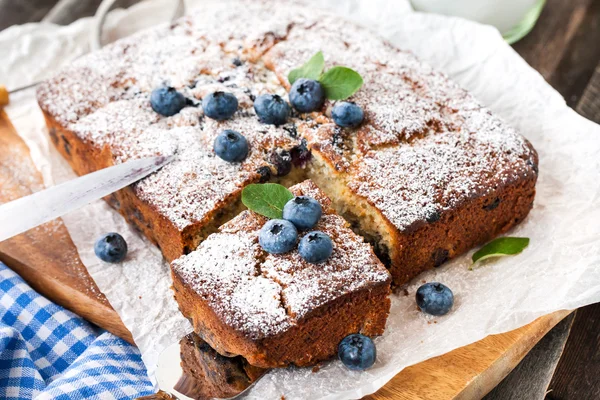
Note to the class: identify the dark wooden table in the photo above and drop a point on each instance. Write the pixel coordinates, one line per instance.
(565, 48)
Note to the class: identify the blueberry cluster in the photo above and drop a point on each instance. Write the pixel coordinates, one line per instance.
(280, 235)
(307, 95)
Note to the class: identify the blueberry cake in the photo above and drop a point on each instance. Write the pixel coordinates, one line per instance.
(429, 174)
(420, 169)
(277, 309)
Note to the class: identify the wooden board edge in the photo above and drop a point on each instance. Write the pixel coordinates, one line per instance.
(482, 365)
(63, 295)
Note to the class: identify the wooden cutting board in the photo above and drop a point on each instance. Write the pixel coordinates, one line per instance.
(47, 259)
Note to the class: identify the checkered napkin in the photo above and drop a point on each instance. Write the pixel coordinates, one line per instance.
(47, 352)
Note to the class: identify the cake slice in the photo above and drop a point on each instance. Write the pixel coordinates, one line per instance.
(278, 310)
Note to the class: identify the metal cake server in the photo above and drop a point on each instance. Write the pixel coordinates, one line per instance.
(43, 206)
(169, 372)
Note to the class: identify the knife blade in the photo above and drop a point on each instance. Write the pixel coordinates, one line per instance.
(30, 211)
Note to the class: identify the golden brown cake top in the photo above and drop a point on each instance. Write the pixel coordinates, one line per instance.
(426, 145)
(262, 294)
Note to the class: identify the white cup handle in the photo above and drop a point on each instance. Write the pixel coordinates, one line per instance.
(100, 18)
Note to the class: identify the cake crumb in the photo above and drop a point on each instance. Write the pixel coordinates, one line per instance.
(316, 368)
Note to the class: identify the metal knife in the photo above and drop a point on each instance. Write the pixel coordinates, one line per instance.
(40, 207)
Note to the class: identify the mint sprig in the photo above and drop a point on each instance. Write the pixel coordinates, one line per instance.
(503, 246)
(312, 69)
(338, 82)
(266, 199)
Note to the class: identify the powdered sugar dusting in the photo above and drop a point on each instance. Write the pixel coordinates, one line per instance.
(426, 145)
(437, 145)
(225, 271)
(441, 171)
(264, 294)
(352, 267)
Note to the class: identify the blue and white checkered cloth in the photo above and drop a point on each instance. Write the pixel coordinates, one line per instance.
(47, 352)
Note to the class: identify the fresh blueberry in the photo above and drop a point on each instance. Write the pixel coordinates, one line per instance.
(315, 247)
(435, 298)
(271, 109)
(219, 105)
(167, 101)
(357, 352)
(111, 248)
(307, 95)
(278, 236)
(347, 115)
(302, 211)
(231, 146)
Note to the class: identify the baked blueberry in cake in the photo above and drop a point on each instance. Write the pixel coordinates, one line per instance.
(423, 171)
(277, 309)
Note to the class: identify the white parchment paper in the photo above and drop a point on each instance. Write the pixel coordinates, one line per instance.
(559, 270)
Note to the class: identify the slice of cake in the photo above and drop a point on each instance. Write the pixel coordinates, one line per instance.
(276, 309)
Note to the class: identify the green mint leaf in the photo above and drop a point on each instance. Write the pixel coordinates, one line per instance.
(503, 246)
(311, 70)
(266, 199)
(340, 82)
